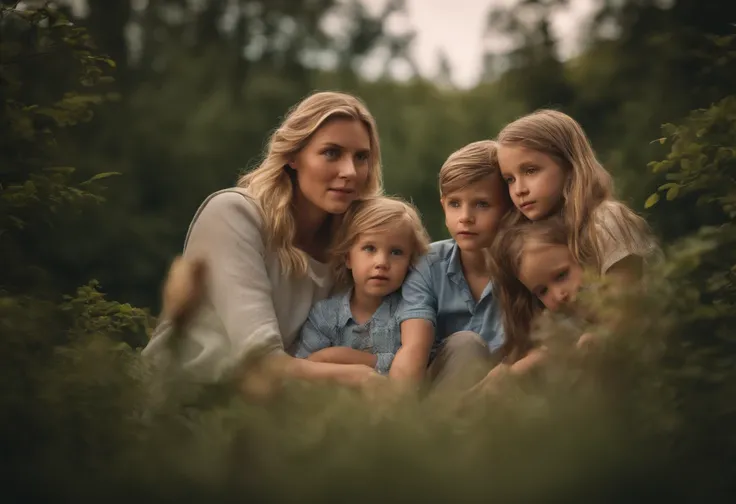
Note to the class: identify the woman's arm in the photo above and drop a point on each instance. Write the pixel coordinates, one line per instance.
(264, 377)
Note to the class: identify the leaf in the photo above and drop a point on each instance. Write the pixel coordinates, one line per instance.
(673, 192)
(669, 129)
(651, 200)
(666, 186)
(101, 176)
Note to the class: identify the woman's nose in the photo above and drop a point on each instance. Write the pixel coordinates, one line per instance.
(347, 169)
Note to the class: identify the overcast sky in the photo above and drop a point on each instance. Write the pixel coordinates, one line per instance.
(457, 27)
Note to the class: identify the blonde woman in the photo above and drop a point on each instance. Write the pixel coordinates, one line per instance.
(264, 247)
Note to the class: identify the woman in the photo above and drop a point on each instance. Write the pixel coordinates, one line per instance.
(264, 245)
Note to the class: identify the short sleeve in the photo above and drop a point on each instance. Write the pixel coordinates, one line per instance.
(227, 235)
(418, 296)
(617, 239)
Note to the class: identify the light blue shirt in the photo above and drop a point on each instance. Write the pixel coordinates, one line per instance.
(436, 290)
(330, 323)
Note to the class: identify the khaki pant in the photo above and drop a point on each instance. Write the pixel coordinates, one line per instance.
(462, 361)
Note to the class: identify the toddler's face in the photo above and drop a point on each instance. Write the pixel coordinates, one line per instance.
(379, 261)
(550, 273)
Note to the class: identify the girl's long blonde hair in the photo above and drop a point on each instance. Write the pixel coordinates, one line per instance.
(588, 183)
(271, 184)
(519, 306)
(377, 214)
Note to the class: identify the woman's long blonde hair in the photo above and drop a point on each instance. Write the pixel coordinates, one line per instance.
(518, 305)
(588, 183)
(382, 213)
(271, 184)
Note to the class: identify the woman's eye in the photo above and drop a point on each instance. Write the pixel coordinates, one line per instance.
(542, 292)
(531, 170)
(453, 204)
(362, 157)
(369, 248)
(331, 153)
(509, 180)
(397, 252)
(482, 204)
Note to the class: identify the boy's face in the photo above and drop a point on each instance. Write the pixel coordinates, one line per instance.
(472, 214)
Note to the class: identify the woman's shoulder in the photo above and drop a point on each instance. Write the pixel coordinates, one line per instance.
(233, 200)
(226, 218)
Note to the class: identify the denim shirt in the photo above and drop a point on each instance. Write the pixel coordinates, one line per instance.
(330, 323)
(436, 290)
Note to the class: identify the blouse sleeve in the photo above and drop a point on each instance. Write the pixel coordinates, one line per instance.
(227, 235)
(616, 241)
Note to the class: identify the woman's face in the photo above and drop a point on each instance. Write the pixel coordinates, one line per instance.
(332, 169)
(551, 274)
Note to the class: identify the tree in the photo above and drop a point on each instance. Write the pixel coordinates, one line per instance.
(532, 68)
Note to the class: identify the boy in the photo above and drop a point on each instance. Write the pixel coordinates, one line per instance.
(448, 304)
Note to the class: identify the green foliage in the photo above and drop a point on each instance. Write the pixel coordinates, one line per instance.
(702, 156)
(41, 331)
(90, 313)
(700, 163)
(35, 182)
(60, 356)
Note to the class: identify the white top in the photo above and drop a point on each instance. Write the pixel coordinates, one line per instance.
(250, 307)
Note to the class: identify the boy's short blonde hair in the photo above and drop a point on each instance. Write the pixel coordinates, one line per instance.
(468, 165)
(371, 215)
